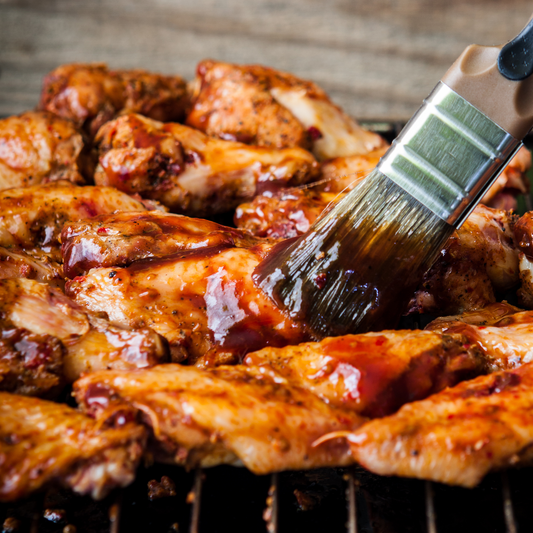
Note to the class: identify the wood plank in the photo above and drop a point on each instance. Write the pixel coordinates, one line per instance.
(377, 59)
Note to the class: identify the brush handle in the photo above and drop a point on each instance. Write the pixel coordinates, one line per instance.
(507, 101)
(515, 61)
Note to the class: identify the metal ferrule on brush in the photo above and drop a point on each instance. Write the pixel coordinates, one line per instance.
(448, 155)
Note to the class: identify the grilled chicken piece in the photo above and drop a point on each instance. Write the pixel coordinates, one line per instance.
(203, 302)
(523, 234)
(229, 414)
(479, 260)
(90, 343)
(32, 217)
(262, 106)
(39, 147)
(190, 172)
(43, 442)
(91, 94)
(122, 238)
(37, 265)
(373, 374)
(456, 436)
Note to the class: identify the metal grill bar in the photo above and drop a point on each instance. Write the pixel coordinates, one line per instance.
(196, 503)
(431, 519)
(351, 526)
(508, 512)
(273, 504)
(114, 514)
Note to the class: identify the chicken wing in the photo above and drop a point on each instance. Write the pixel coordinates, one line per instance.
(90, 343)
(91, 94)
(32, 217)
(122, 238)
(456, 436)
(373, 374)
(203, 302)
(190, 172)
(229, 414)
(39, 147)
(262, 106)
(43, 442)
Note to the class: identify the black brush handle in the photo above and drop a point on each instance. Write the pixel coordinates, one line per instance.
(515, 61)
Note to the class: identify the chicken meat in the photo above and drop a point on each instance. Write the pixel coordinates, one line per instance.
(43, 442)
(40, 147)
(91, 94)
(73, 341)
(455, 436)
(190, 172)
(266, 107)
(229, 414)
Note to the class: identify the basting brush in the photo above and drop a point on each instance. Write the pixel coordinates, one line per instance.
(357, 267)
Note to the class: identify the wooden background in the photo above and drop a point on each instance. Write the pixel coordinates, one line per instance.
(377, 58)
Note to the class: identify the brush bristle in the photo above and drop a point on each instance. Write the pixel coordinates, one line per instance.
(358, 266)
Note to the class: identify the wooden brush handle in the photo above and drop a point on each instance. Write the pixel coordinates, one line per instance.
(476, 77)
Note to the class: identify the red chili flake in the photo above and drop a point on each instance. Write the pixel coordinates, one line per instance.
(101, 230)
(314, 133)
(320, 280)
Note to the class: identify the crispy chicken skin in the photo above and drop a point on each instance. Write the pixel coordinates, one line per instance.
(39, 147)
(43, 442)
(456, 436)
(122, 238)
(266, 107)
(229, 414)
(203, 302)
(523, 234)
(33, 217)
(90, 343)
(190, 172)
(373, 374)
(91, 94)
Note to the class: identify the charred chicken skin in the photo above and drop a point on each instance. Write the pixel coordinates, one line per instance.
(266, 107)
(91, 94)
(190, 172)
(39, 147)
(456, 436)
(66, 340)
(43, 442)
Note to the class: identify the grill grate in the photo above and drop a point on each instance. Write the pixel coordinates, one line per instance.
(225, 499)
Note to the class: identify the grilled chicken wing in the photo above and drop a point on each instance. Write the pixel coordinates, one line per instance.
(456, 436)
(202, 301)
(122, 238)
(262, 106)
(373, 374)
(44, 442)
(39, 147)
(91, 94)
(229, 414)
(523, 234)
(90, 343)
(189, 171)
(32, 217)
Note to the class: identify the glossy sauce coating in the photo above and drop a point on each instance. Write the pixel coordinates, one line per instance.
(190, 172)
(202, 301)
